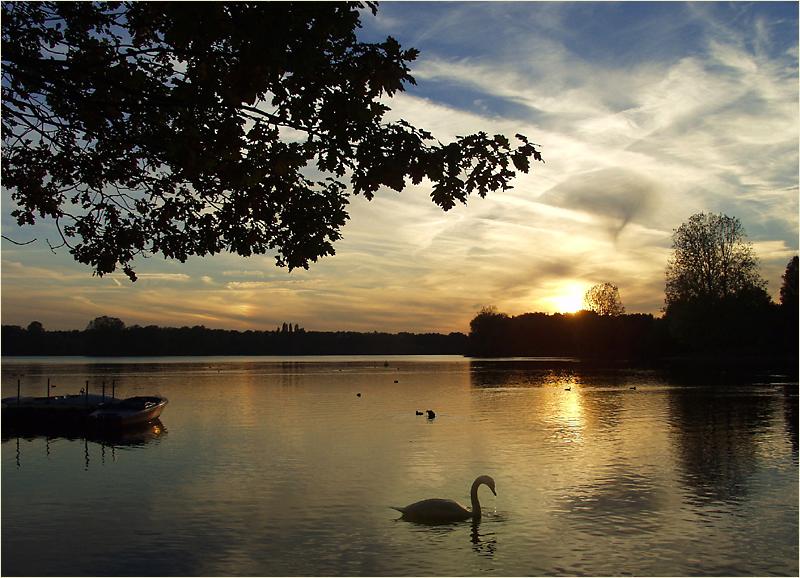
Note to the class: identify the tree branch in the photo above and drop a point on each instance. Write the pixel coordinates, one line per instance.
(10, 240)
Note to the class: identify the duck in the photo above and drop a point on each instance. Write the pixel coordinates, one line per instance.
(358, 395)
(431, 414)
(632, 387)
(442, 511)
(418, 412)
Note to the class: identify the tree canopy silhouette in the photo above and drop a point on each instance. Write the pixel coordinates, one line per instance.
(715, 297)
(106, 323)
(712, 261)
(192, 128)
(789, 295)
(604, 299)
(790, 308)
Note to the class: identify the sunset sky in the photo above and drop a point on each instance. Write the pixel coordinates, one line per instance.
(645, 113)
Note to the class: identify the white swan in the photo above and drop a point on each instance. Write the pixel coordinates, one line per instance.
(439, 511)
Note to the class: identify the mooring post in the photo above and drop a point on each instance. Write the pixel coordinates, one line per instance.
(17, 391)
(104, 390)
(48, 390)
(86, 393)
(113, 387)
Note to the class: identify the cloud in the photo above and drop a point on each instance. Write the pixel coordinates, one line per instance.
(616, 194)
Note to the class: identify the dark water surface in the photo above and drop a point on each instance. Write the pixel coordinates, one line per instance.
(270, 466)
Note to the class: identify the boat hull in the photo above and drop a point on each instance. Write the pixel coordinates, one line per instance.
(131, 411)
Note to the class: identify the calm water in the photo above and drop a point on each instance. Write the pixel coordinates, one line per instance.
(276, 467)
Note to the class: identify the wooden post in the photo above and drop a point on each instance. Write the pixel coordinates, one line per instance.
(86, 393)
(48, 389)
(113, 387)
(104, 390)
(17, 391)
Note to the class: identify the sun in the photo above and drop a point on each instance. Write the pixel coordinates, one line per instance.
(569, 299)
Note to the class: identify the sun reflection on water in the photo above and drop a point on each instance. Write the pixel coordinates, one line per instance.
(566, 415)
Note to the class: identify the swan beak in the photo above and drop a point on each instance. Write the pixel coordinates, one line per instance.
(491, 488)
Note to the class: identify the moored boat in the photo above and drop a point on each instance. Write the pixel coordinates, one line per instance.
(133, 410)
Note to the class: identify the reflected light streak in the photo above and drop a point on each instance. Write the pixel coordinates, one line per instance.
(566, 409)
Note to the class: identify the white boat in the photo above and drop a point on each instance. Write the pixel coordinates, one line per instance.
(133, 410)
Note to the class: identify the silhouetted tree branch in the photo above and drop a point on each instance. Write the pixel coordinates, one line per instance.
(194, 128)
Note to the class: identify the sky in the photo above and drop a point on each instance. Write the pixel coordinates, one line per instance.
(645, 113)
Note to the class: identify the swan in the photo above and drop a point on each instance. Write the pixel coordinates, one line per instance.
(440, 511)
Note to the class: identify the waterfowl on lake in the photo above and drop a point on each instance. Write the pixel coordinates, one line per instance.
(431, 414)
(442, 511)
(358, 395)
(418, 412)
(396, 381)
(634, 387)
(568, 389)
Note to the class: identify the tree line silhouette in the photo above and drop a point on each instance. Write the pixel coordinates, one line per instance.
(716, 305)
(637, 336)
(108, 336)
(583, 334)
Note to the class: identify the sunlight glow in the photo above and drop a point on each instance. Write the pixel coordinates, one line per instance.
(569, 299)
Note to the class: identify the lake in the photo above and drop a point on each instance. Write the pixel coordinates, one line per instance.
(275, 466)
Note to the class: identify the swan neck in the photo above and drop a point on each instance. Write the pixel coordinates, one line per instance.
(476, 505)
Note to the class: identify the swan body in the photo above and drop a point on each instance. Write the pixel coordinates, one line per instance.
(441, 511)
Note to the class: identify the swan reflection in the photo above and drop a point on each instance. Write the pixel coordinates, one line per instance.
(485, 543)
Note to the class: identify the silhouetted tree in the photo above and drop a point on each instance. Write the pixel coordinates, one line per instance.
(790, 308)
(715, 296)
(487, 330)
(35, 327)
(789, 296)
(187, 128)
(604, 299)
(712, 261)
(105, 323)
(105, 336)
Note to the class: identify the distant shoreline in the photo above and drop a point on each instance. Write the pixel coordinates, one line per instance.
(700, 363)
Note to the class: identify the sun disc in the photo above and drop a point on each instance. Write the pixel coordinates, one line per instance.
(569, 300)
